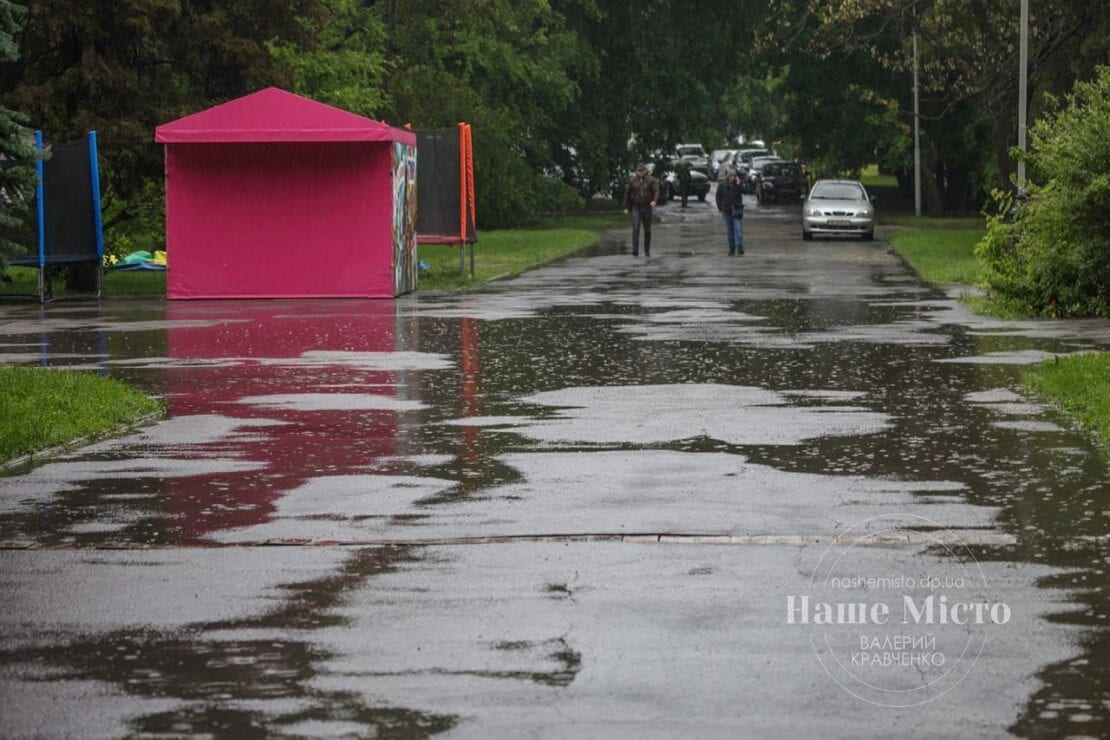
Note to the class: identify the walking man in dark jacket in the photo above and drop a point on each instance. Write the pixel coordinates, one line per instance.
(730, 202)
(640, 197)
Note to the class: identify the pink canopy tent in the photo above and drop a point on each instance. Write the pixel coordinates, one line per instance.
(275, 195)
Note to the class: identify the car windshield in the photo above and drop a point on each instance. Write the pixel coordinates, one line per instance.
(778, 169)
(691, 151)
(838, 191)
(759, 164)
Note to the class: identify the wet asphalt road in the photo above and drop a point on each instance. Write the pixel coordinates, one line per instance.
(587, 501)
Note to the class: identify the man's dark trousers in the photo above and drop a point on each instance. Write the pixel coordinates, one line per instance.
(641, 215)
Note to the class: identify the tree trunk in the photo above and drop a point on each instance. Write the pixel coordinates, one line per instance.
(932, 196)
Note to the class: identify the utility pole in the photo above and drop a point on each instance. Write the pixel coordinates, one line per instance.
(1023, 84)
(916, 125)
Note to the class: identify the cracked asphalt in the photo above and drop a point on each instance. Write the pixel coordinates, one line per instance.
(691, 496)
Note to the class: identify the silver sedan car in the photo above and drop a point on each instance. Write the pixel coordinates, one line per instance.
(838, 207)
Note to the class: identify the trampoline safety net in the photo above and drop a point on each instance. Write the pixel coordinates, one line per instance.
(437, 183)
(445, 212)
(70, 219)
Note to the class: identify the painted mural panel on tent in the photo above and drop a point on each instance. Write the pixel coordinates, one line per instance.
(404, 218)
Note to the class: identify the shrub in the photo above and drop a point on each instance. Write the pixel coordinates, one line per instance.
(1052, 253)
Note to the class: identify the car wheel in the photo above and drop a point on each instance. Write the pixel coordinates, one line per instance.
(869, 235)
(807, 235)
(701, 197)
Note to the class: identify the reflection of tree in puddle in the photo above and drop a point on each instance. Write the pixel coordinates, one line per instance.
(1075, 697)
(241, 687)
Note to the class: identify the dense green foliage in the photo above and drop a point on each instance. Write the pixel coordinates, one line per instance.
(1052, 253)
(847, 97)
(1081, 384)
(42, 408)
(124, 68)
(17, 177)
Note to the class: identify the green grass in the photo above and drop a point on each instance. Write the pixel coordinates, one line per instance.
(999, 308)
(871, 178)
(940, 254)
(1081, 385)
(509, 252)
(929, 222)
(41, 408)
(116, 283)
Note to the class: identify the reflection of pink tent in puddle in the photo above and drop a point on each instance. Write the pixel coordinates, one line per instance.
(275, 195)
(265, 347)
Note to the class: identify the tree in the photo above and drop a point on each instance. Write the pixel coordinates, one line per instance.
(17, 173)
(653, 74)
(124, 68)
(344, 64)
(499, 65)
(968, 55)
(1053, 258)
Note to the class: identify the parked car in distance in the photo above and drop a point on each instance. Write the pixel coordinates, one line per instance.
(838, 207)
(694, 155)
(698, 188)
(717, 158)
(780, 182)
(742, 158)
(750, 181)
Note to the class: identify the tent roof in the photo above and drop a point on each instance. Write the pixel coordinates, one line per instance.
(274, 115)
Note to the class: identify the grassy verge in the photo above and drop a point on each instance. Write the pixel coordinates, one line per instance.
(944, 254)
(871, 178)
(942, 251)
(929, 222)
(1081, 384)
(512, 251)
(116, 283)
(41, 408)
